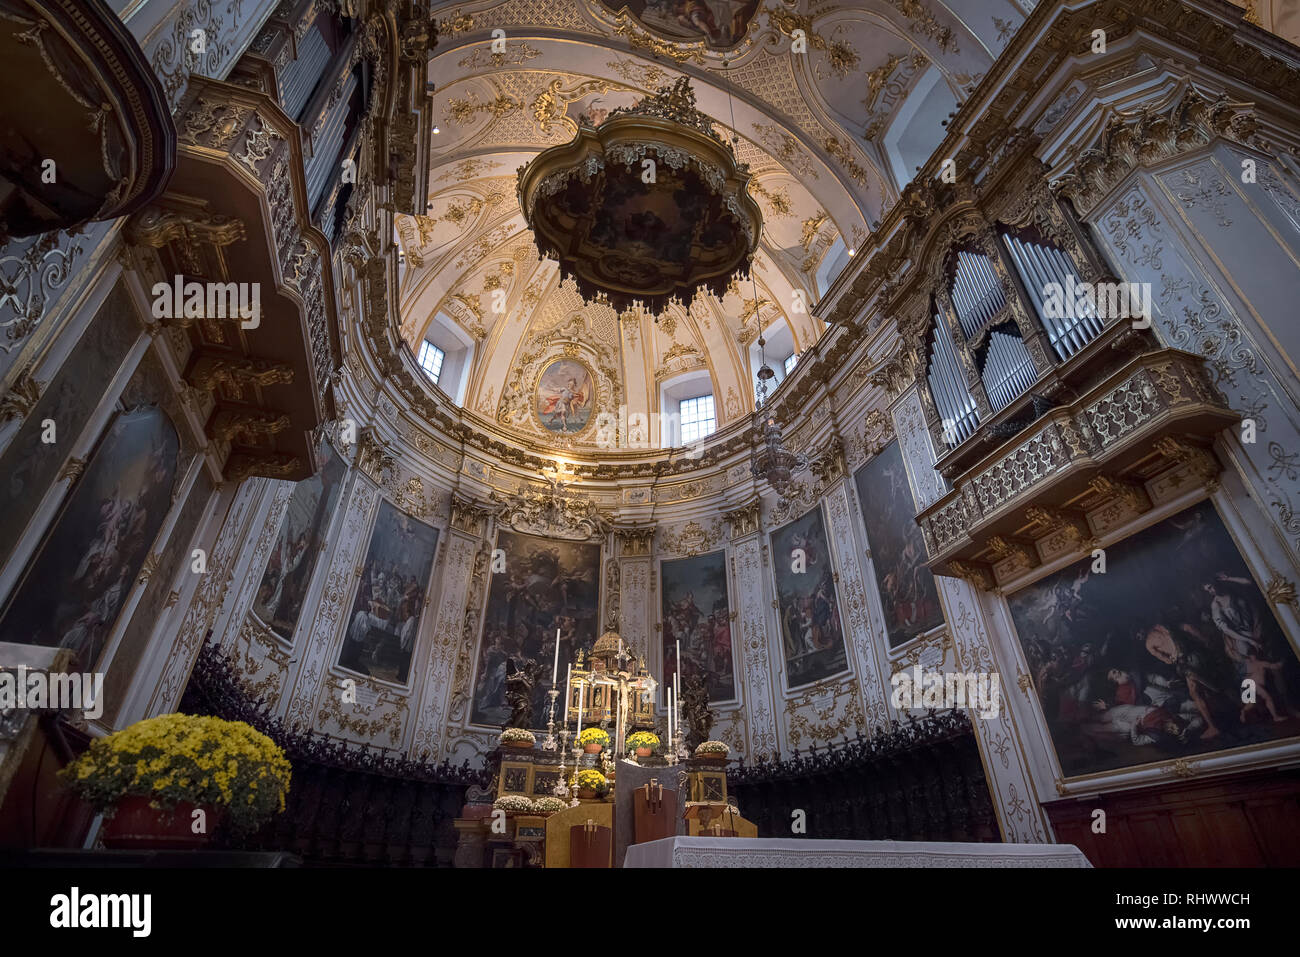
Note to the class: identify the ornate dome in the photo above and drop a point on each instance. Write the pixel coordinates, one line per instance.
(827, 155)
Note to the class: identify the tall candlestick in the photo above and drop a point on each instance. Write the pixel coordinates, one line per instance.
(555, 669)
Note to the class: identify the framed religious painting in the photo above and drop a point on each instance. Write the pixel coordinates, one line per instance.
(908, 597)
(720, 24)
(86, 568)
(697, 617)
(808, 609)
(545, 587)
(1173, 651)
(288, 573)
(395, 578)
(564, 397)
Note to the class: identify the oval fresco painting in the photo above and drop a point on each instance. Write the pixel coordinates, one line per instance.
(564, 396)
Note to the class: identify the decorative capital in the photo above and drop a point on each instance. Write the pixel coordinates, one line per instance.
(21, 397)
(469, 515)
(635, 539)
(745, 519)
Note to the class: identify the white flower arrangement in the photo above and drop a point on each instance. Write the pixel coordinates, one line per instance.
(518, 735)
(549, 805)
(514, 803)
(712, 747)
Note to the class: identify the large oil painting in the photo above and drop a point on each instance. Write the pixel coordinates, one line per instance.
(812, 632)
(1148, 660)
(544, 586)
(385, 618)
(284, 584)
(83, 573)
(697, 615)
(565, 391)
(719, 23)
(907, 593)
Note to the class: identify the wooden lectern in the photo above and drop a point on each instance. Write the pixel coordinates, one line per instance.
(654, 812)
(591, 845)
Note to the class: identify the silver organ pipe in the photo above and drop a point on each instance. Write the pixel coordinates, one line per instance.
(1008, 369)
(977, 294)
(1040, 266)
(301, 74)
(1071, 340)
(1089, 322)
(952, 399)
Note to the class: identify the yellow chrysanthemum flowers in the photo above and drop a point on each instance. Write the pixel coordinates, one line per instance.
(178, 757)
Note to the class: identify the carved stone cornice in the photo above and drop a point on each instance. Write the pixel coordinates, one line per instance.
(745, 519)
(1148, 135)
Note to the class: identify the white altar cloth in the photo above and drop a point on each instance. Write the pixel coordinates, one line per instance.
(795, 852)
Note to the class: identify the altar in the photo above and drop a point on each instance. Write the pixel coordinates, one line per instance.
(782, 852)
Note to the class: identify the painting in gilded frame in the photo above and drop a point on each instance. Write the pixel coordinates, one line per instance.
(293, 559)
(697, 614)
(86, 568)
(565, 396)
(908, 596)
(542, 586)
(812, 632)
(1150, 660)
(385, 618)
(721, 24)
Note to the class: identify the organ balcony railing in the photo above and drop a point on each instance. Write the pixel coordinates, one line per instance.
(1139, 437)
(1055, 412)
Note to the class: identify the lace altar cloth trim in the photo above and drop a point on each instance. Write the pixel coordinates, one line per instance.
(793, 852)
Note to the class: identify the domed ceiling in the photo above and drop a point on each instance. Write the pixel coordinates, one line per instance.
(832, 108)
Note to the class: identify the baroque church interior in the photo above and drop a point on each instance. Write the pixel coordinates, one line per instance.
(662, 433)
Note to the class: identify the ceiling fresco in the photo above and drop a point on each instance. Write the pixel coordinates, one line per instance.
(825, 103)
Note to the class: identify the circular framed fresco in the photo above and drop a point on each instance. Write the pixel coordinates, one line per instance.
(564, 398)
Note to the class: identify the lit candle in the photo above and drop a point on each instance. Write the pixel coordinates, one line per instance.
(555, 669)
(582, 688)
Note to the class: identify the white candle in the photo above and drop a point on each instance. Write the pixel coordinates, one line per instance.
(670, 714)
(582, 688)
(568, 676)
(555, 669)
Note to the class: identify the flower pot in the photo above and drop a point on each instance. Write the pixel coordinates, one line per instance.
(713, 757)
(521, 745)
(137, 826)
(593, 748)
(643, 752)
(587, 794)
